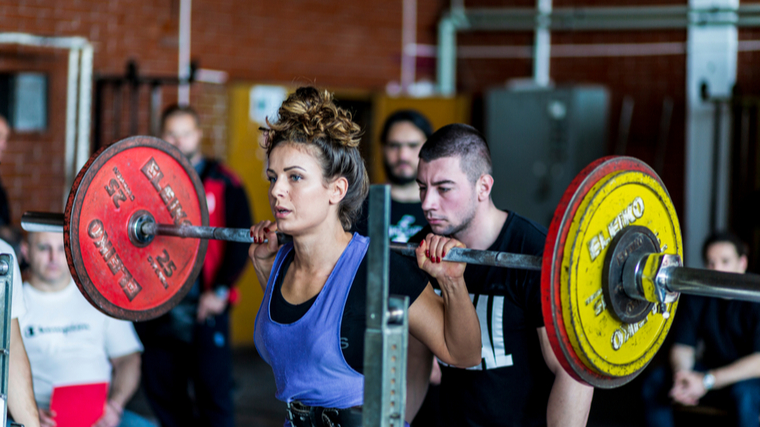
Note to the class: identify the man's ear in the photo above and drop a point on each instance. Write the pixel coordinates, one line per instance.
(484, 186)
(25, 249)
(338, 190)
(743, 263)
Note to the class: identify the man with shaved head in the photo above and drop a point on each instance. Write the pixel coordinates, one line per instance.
(519, 380)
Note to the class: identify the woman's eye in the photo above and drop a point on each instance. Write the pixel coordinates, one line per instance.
(296, 177)
(271, 179)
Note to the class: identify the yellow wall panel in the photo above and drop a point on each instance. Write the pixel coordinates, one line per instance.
(247, 159)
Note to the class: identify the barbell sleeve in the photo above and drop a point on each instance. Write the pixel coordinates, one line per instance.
(711, 283)
(42, 222)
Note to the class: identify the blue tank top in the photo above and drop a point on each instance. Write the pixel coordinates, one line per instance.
(305, 355)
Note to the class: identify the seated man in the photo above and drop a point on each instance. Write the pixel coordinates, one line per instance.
(70, 342)
(727, 373)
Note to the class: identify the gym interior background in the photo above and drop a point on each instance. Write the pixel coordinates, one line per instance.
(675, 84)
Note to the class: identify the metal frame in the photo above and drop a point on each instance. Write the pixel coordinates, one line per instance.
(385, 339)
(78, 91)
(6, 294)
(575, 19)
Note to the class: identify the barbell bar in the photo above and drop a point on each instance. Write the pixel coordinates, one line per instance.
(144, 228)
(670, 278)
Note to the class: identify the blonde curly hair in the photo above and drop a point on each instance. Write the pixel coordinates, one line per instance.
(310, 117)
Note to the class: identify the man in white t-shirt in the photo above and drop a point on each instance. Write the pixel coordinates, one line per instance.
(69, 342)
(20, 397)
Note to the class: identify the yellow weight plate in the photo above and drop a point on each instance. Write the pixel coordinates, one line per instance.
(601, 341)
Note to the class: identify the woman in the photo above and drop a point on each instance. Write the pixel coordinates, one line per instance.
(310, 327)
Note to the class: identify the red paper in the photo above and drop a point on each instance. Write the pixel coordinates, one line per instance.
(78, 405)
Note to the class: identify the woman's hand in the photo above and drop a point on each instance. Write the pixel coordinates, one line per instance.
(430, 255)
(263, 249)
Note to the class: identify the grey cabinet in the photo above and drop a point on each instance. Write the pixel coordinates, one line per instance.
(539, 140)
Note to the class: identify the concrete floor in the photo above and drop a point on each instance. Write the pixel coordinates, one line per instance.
(254, 391)
(256, 405)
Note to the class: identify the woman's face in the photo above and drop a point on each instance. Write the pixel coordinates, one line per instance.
(298, 196)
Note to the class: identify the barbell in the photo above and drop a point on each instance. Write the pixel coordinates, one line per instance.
(135, 234)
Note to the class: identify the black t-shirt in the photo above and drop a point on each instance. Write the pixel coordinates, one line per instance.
(407, 219)
(729, 328)
(406, 279)
(512, 384)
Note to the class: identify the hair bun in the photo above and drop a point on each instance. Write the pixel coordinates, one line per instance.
(311, 114)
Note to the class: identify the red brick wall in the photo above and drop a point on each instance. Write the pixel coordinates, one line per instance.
(748, 72)
(648, 80)
(32, 166)
(342, 43)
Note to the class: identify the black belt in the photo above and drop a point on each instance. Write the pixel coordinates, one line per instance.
(301, 415)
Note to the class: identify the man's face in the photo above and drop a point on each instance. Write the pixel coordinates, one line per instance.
(449, 198)
(181, 131)
(47, 258)
(401, 152)
(5, 132)
(722, 256)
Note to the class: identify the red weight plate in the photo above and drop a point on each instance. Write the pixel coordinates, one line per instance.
(122, 280)
(554, 248)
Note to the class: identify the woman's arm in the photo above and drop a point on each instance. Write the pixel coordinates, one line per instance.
(448, 325)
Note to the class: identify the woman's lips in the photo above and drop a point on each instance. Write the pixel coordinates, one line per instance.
(281, 213)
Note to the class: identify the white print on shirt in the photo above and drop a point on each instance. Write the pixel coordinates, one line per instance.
(33, 330)
(404, 229)
(493, 351)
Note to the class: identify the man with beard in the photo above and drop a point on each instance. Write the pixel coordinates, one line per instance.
(519, 381)
(189, 346)
(403, 134)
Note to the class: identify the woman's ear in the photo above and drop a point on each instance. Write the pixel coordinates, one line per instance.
(338, 190)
